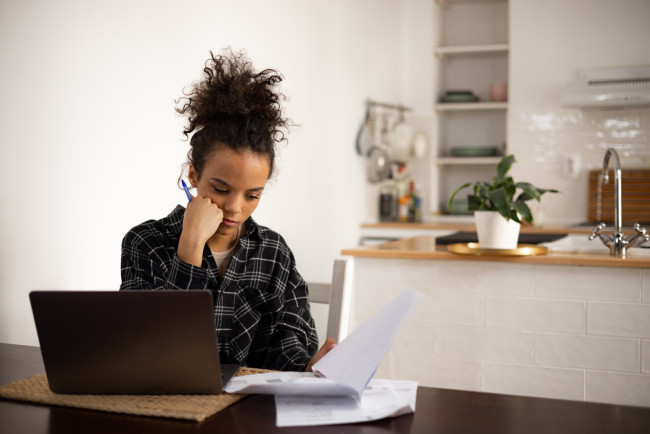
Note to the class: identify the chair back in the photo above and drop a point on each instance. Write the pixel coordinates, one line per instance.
(336, 295)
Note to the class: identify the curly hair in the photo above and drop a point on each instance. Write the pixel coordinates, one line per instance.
(233, 106)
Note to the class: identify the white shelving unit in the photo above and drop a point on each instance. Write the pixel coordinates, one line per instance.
(472, 51)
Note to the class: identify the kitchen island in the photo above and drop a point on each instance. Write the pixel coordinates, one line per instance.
(563, 325)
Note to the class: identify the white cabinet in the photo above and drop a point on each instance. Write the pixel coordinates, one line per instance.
(471, 54)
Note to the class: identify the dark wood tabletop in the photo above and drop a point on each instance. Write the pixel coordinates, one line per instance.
(437, 411)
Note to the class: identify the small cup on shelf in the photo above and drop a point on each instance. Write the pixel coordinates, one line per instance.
(499, 91)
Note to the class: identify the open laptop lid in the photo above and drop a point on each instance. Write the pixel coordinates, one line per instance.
(128, 342)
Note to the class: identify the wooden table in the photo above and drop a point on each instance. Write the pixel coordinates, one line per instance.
(438, 411)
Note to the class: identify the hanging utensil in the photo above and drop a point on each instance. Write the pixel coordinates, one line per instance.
(402, 136)
(364, 137)
(420, 144)
(379, 164)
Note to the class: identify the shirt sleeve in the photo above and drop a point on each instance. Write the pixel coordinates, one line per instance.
(294, 341)
(148, 264)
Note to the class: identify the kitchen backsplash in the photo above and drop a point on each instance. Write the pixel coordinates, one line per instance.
(560, 146)
(553, 134)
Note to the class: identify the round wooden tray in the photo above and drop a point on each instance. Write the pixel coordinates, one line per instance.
(475, 249)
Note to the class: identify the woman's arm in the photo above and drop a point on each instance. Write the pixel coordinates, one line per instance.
(147, 263)
(200, 221)
(294, 342)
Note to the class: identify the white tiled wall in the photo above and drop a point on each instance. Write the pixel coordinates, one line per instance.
(543, 141)
(568, 332)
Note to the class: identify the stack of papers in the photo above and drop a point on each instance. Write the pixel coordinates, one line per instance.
(340, 389)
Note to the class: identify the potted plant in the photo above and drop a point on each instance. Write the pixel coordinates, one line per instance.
(500, 206)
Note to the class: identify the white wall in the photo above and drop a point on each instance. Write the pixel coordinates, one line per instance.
(549, 41)
(91, 144)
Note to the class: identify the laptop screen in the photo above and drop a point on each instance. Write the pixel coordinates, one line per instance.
(128, 342)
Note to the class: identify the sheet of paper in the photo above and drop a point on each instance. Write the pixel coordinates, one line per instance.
(347, 369)
(354, 360)
(287, 383)
(381, 399)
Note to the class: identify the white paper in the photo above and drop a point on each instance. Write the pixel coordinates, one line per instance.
(353, 361)
(287, 383)
(346, 369)
(381, 399)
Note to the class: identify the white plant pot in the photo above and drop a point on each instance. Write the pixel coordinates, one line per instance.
(495, 232)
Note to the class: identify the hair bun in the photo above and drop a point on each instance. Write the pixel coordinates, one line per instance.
(235, 106)
(231, 88)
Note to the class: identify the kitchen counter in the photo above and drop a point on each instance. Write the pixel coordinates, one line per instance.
(424, 247)
(567, 325)
(470, 226)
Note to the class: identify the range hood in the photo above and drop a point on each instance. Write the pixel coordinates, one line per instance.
(609, 87)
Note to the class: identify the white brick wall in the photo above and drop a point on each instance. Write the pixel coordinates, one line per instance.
(619, 319)
(565, 332)
(598, 284)
(534, 381)
(447, 373)
(591, 352)
(534, 314)
(501, 278)
(484, 343)
(630, 389)
(451, 308)
(645, 357)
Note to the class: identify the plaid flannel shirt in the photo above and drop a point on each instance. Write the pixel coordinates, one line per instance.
(260, 303)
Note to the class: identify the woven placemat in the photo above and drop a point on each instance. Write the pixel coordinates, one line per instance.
(191, 407)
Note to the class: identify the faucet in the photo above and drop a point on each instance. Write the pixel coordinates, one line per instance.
(617, 242)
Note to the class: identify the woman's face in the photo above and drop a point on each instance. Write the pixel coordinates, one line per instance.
(234, 181)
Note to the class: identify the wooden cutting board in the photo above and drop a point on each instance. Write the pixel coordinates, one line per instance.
(635, 200)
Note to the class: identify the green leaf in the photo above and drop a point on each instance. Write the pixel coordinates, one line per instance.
(504, 166)
(500, 201)
(541, 191)
(514, 216)
(481, 189)
(451, 199)
(523, 210)
(529, 191)
(510, 190)
(474, 203)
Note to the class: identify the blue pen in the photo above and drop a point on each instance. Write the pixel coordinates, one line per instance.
(187, 191)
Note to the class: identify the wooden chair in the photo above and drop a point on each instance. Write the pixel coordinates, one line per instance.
(337, 297)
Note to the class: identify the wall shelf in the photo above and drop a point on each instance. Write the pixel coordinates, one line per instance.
(472, 49)
(487, 105)
(467, 161)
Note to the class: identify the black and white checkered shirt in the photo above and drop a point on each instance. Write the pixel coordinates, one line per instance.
(261, 308)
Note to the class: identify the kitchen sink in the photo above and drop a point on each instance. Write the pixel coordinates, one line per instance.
(580, 243)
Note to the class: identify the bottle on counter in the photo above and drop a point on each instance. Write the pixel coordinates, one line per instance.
(404, 207)
(386, 200)
(415, 210)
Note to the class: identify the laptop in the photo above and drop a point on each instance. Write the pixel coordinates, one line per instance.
(129, 342)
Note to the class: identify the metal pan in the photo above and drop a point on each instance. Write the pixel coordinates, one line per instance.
(378, 164)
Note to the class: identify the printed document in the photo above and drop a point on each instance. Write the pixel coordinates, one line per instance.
(340, 389)
(348, 367)
(381, 399)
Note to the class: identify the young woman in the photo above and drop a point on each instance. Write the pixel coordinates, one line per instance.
(260, 299)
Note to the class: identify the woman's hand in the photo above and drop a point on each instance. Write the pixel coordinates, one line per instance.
(329, 344)
(201, 220)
